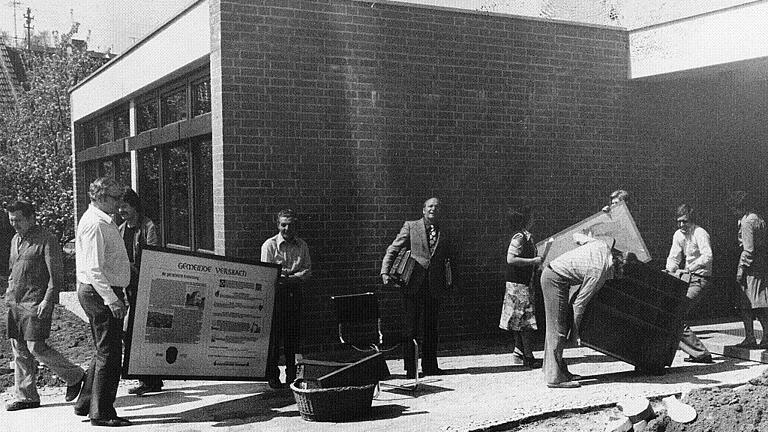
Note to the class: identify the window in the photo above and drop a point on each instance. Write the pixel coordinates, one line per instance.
(203, 169)
(201, 97)
(173, 106)
(177, 194)
(118, 168)
(104, 129)
(89, 134)
(180, 202)
(146, 115)
(149, 182)
(121, 123)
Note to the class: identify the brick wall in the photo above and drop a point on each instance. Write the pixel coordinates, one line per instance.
(709, 127)
(354, 113)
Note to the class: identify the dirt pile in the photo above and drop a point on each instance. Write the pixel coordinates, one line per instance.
(722, 409)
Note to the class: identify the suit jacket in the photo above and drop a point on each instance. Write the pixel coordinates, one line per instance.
(145, 235)
(413, 236)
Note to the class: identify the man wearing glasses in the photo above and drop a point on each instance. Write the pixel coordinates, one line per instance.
(103, 272)
(690, 257)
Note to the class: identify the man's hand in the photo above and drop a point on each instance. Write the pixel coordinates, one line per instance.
(385, 278)
(45, 308)
(537, 260)
(118, 309)
(741, 278)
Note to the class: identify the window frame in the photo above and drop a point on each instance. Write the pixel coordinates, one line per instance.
(191, 146)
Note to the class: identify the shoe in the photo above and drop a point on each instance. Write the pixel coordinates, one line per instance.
(21, 405)
(275, 383)
(143, 389)
(564, 384)
(113, 422)
(517, 360)
(74, 389)
(705, 359)
(532, 363)
(434, 372)
(82, 412)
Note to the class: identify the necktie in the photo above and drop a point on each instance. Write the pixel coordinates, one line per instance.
(432, 237)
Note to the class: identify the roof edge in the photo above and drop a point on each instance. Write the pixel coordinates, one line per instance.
(183, 10)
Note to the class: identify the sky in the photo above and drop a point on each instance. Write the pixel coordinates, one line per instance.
(106, 24)
(115, 25)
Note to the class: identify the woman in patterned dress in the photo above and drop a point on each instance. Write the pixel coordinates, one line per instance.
(517, 313)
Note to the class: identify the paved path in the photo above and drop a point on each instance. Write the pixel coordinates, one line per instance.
(480, 391)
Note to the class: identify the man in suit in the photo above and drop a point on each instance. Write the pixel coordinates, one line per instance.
(427, 285)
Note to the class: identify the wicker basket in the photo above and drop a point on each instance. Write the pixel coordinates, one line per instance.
(332, 404)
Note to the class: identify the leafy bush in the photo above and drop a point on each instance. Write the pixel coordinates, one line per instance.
(35, 138)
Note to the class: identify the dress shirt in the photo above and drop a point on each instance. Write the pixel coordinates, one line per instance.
(292, 255)
(695, 248)
(100, 255)
(589, 265)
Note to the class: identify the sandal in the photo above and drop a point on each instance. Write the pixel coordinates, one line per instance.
(564, 384)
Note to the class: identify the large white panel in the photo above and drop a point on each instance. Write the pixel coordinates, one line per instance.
(728, 36)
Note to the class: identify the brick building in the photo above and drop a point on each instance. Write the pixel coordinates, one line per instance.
(353, 113)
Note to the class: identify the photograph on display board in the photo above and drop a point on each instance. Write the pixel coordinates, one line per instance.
(201, 316)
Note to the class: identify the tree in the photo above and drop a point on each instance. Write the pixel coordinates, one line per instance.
(35, 149)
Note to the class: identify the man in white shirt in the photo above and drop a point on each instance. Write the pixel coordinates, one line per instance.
(292, 253)
(103, 271)
(587, 266)
(691, 257)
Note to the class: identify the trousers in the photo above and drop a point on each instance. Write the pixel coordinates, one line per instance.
(689, 342)
(100, 387)
(286, 322)
(26, 355)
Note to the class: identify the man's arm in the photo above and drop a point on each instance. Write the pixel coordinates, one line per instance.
(304, 270)
(705, 259)
(748, 248)
(53, 262)
(589, 287)
(675, 256)
(152, 238)
(93, 246)
(403, 238)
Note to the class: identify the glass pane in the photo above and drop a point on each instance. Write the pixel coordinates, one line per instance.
(203, 175)
(173, 106)
(105, 129)
(146, 115)
(89, 134)
(122, 127)
(149, 182)
(176, 195)
(106, 169)
(123, 169)
(201, 97)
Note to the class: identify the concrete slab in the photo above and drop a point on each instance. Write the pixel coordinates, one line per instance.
(480, 391)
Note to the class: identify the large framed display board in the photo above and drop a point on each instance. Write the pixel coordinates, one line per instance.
(617, 223)
(201, 316)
